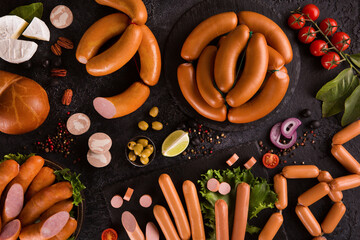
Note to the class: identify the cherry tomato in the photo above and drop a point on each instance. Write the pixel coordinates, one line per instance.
(270, 160)
(330, 60)
(296, 21)
(318, 48)
(307, 34)
(311, 11)
(328, 26)
(341, 41)
(109, 234)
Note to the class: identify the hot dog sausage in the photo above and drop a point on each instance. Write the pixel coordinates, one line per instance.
(118, 54)
(335, 196)
(227, 56)
(206, 31)
(304, 171)
(345, 182)
(314, 194)
(11, 230)
(221, 220)
(271, 227)
(13, 203)
(265, 102)
(67, 231)
(96, 36)
(274, 35)
(131, 226)
(280, 188)
(175, 205)
(165, 223)
(43, 179)
(308, 220)
(276, 61)
(135, 9)
(205, 78)
(65, 205)
(241, 211)
(333, 217)
(345, 158)
(347, 133)
(187, 83)
(194, 211)
(124, 103)
(253, 75)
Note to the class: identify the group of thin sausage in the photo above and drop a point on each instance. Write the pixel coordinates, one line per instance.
(135, 37)
(215, 85)
(34, 207)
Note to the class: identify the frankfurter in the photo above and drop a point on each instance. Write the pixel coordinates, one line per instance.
(280, 188)
(333, 217)
(43, 179)
(67, 231)
(221, 220)
(11, 230)
(345, 182)
(253, 75)
(335, 196)
(13, 203)
(194, 211)
(271, 227)
(150, 57)
(345, 158)
(187, 83)
(298, 171)
(205, 78)
(43, 200)
(124, 103)
(314, 194)
(241, 211)
(65, 205)
(135, 9)
(265, 102)
(175, 205)
(96, 35)
(347, 133)
(227, 56)
(274, 35)
(163, 219)
(118, 54)
(205, 32)
(308, 220)
(276, 60)
(131, 226)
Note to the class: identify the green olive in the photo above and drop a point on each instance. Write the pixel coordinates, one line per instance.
(131, 145)
(146, 153)
(157, 126)
(150, 147)
(138, 149)
(143, 125)
(154, 111)
(144, 160)
(132, 156)
(143, 142)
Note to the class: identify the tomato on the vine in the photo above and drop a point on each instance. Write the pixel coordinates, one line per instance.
(341, 41)
(307, 34)
(330, 60)
(296, 21)
(311, 11)
(318, 48)
(270, 160)
(328, 26)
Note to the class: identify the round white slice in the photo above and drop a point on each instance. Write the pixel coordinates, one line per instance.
(17, 51)
(11, 26)
(37, 29)
(98, 160)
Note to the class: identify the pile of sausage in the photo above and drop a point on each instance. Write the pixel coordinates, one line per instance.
(215, 86)
(34, 207)
(135, 37)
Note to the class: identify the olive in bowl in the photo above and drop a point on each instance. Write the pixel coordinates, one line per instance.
(140, 151)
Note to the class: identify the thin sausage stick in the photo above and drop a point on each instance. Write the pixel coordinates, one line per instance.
(241, 211)
(221, 220)
(163, 219)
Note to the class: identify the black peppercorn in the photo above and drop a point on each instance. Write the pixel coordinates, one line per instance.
(46, 63)
(314, 124)
(305, 113)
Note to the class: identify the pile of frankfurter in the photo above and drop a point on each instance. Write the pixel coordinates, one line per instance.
(216, 89)
(34, 206)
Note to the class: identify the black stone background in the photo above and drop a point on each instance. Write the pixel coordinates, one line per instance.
(163, 15)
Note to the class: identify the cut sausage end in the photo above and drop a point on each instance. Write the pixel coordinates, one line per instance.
(213, 185)
(14, 201)
(232, 159)
(152, 233)
(129, 222)
(145, 201)
(54, 224)
(128, 194)
(104, 107)
(11, 230)
(82, 60)
(224, 188)
(249, 164)
(116, 201)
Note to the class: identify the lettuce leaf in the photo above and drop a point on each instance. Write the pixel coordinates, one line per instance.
(19, 158)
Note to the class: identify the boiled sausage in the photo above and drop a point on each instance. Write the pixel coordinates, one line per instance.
(241, 211)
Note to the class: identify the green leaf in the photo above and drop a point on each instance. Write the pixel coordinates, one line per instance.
(252, 229)
(355, 58)
(20, 158)
(332, 108)
(352, 108)
(28, 12)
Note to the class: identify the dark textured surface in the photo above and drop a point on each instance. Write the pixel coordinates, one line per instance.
(163, 15)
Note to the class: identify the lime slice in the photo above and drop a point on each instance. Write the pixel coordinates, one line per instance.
(175, 143)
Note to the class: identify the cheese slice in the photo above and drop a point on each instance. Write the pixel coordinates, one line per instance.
(37, 29)
(17, 51)
(11, 26)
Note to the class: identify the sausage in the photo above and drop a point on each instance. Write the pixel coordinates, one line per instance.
(163, 219)
(213, 185)
(9, 169)
(221, 220)
(276, 61)
(187, 83)
(205, 32)
(131, 226)
(45, 229)
(65, 205)
(232, 160)
(150, 57)
(241, 211)
(333, 217)
(98, 160)
(265, 102)
(271, 227)
(227, 57)
(194, 211)
(347, 133)
(274, 35)
(116, 201)
(298, 171)
(308, 220)
(145, 201)
(205, 78)
(151, 232)
(335, 196)
(224, 188)
(78, 124)
(221, 40)
(99, 33)
(128, 194)
(11, 230)
(135, 9)
(345, 158)
(99, 142)
(314, 194)
(175, 205)
(345, 182)
(250, 163)
(253, 75)
(67, 231)
(43, 179)
(43, 200)
(13, 203)
(280, 188)
(118, 54)
(124, 103)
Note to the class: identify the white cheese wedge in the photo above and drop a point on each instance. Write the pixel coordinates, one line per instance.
(17, 51)
(11, 26)
(37, 29)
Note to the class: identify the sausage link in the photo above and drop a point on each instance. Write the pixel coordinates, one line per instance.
(276, 61)
(131, 226)
(12, 203)
(280, 188)
(241, 211)
(345, 182)
(345, 158)
(271, 227)
(335, 196)
(314, 194)
(11, 230)
(9, 169)
(221, 220)
(67, 231)
(347, 133)
(308, 220)
(43, 179)
(163, 219)
(333, 217)
(304, 171)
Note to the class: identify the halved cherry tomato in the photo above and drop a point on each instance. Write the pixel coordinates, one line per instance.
(109, 234)
(341, 41)
(307, 34)
(311, 11)
(296, 21)
(330, 60)
(318, 48)
(270, 160)
(328, 26)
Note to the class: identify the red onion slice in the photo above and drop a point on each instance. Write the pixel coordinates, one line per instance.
(289, 126)
(275, 136)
